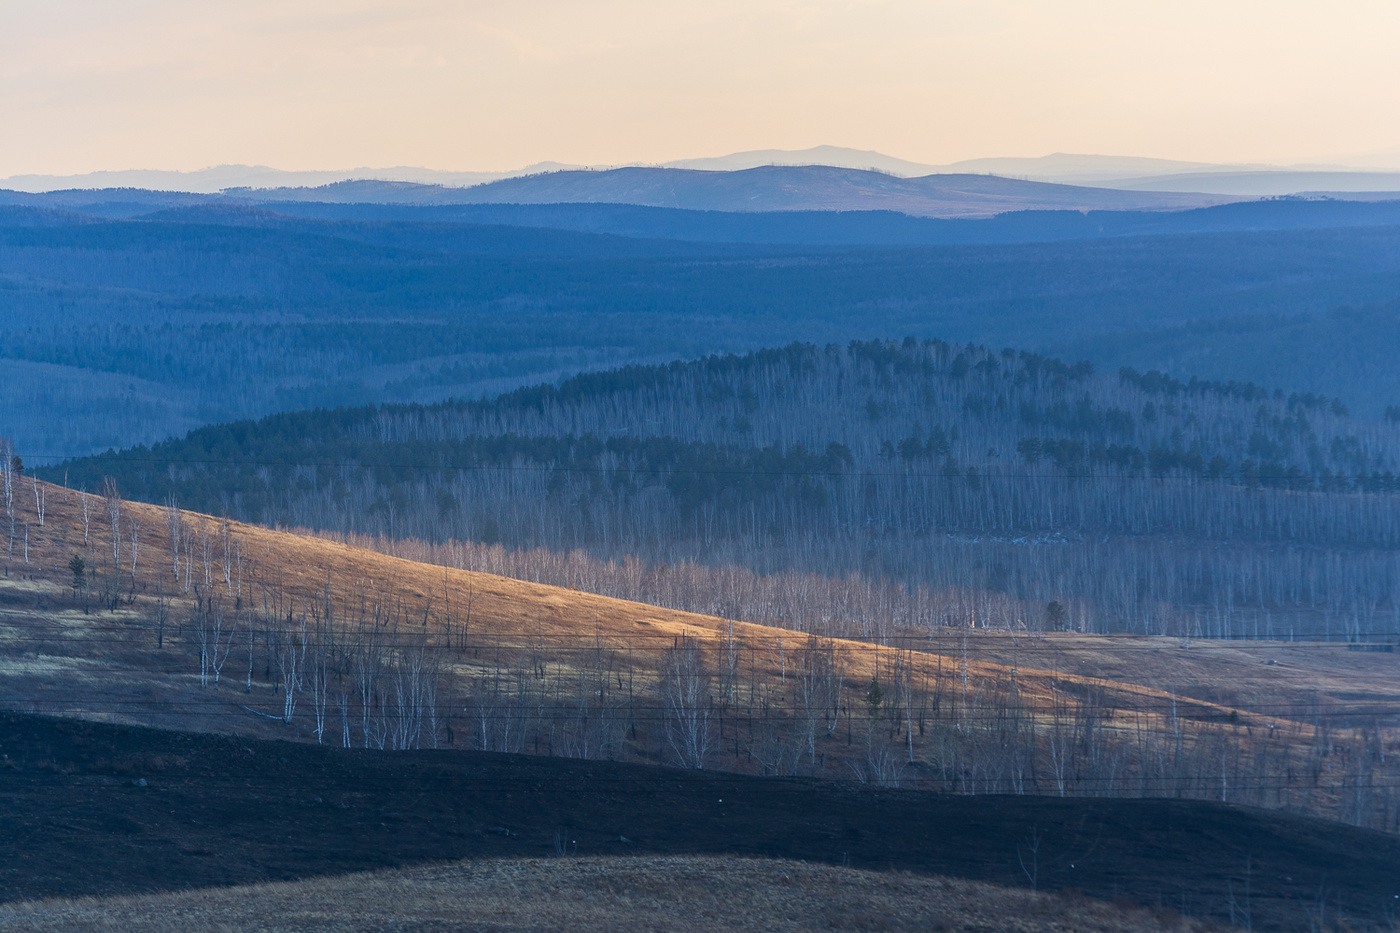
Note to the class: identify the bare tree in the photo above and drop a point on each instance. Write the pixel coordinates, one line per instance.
(819, 671)
(411, 692)
(342, 703)
(206, 547)
(289, 647)
(40, 493)
(134, 526)
(367, 665)
(214, 633)
(8, 461)
(223, 644)
(113, 501)
(85, 499)
(318, 666)
(687, 702)
(227, 552)
(175, 523)
(162, 608)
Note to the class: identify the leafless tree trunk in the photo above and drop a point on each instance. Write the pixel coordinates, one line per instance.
(7, 473)
(114, 515)
(135, 526)
(289, 655)
(687, 702)
(175, 523)
(318, 664)
(162, 611)
(214, 634)
(222, 645)
(206, 552)
(40, 492)
(367, 666)
(226, 553)
(113, 501)
(342, 702)
(252, 643)
(199, 624)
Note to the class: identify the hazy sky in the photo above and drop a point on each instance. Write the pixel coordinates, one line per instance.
(306, 84)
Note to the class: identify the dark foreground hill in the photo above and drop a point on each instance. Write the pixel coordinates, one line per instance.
(98, 809)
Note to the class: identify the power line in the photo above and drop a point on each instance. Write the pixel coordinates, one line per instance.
(960, 476)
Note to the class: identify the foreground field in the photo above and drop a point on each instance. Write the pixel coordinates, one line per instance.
(98, 810)
(618, 894)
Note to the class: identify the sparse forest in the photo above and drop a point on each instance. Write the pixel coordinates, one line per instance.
(175, 618)
(865, 489)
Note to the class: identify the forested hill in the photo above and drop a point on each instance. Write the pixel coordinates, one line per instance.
(121, 331)
(963, 410)
(1139, 500)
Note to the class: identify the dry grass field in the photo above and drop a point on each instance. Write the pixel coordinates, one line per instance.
(1288, 679)
(195, 624)
(506, 665)
(615, 894)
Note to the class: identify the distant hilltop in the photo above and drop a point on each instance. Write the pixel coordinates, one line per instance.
(760, 189)
(1379, 172)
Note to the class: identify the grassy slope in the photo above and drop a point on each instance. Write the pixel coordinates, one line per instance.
(54, 657)
(671, 893)
(47, 631)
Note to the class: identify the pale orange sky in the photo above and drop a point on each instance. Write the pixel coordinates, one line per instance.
(315, 84)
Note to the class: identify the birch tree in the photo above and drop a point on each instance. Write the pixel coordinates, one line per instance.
(687, 702)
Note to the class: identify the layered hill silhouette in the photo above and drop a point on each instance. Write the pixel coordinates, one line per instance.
(765, 188)
(788, 216)
(1131, 172)
(114, 293)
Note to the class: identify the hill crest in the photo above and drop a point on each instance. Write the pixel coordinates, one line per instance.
(763, 188)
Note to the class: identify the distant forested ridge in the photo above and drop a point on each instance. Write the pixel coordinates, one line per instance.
(182, 312)
(980, 485)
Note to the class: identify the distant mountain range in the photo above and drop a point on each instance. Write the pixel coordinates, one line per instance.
(762, 189)
(835, 156)
(1273, 183)
(221, 177)
(1370, 173)
(131, 314)
(438, 209)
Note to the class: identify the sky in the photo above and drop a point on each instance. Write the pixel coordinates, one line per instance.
(88, 85)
